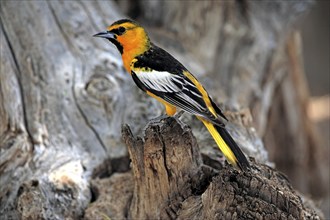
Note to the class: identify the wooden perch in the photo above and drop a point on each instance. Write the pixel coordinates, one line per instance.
(171, 182)
(163, 165)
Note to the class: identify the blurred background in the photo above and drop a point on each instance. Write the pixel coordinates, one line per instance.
(315, 28)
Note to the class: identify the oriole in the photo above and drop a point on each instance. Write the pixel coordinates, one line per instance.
(164, 78)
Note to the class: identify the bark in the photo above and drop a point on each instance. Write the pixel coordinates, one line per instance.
(170, 181)
(57, 106)
(64, 97)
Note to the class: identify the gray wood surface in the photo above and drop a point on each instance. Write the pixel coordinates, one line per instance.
(65, 95)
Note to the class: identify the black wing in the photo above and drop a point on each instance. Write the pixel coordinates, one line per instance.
(158, 72)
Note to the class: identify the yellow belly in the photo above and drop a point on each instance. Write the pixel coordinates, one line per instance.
(170, 109)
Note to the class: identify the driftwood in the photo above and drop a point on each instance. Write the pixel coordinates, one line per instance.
(65, 95)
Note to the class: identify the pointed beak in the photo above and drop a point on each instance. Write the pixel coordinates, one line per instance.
(105, 34)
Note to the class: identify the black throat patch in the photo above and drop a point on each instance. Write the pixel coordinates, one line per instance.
(118, 45)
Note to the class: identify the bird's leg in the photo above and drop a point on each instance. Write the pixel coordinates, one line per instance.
(163, 116)
(158, 118)
(178, 114)
(170, 112)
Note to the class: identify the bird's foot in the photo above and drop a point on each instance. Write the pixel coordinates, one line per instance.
(157, 119)
(162, 117)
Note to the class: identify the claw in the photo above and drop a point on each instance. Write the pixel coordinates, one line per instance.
(157, 119)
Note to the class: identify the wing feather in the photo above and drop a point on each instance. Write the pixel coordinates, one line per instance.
(160, 81)
(161, 74)
(174, 89)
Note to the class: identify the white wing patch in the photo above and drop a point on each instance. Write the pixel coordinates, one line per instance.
(175, 90)
(160, 81)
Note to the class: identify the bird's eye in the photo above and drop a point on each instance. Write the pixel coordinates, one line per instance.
(121, 30)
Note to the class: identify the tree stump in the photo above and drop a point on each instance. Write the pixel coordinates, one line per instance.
(170, 181)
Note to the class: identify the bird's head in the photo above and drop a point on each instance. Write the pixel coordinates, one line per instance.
(128, 36)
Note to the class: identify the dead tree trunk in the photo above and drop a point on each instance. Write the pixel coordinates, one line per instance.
(63, 99)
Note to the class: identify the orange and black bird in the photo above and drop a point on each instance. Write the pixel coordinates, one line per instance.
(164, 78)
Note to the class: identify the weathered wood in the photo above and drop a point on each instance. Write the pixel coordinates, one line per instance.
(111, 197)
(65, 95)
(303, 156)
(55, 106)
(162, 165)
(171, 182)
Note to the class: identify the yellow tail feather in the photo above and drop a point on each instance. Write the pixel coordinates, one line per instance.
(229, 154)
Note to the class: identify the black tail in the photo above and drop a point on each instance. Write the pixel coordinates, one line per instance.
(242, 162)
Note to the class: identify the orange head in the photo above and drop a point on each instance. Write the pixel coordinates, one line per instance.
(129, 37)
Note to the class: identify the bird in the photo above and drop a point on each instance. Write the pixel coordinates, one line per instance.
(161, 76)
